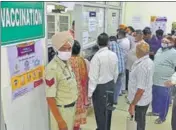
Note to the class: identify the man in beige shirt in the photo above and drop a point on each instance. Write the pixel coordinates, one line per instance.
(61, 86)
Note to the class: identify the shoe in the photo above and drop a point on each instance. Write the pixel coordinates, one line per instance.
(159, 121)
(115, 103)
(123, 92)
(120, 95)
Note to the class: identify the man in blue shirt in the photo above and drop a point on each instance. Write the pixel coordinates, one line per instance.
(115, 47)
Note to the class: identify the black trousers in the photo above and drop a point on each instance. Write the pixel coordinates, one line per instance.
(127, 79)
(140, 116)
(174, 115)
(99, 103)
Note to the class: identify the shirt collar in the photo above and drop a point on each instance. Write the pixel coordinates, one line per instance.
(141, 59)
(103, 49)
(60, 62)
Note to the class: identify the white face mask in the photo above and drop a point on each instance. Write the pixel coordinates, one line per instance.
(65, 56)
(164, 45)
(170, 45)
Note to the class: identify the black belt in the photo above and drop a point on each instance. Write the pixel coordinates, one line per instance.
(67, 106)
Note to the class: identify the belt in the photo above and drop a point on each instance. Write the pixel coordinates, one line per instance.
(67, 106)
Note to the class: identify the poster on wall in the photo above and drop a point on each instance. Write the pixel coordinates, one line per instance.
(114, 19)
(26, 67)
(85, 37)
(92, 21)
(100, 19)
(137, 22)
(158, 23)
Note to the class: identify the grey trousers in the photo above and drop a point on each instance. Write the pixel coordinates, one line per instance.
(99, 103)
(174, 115)
(140, 116)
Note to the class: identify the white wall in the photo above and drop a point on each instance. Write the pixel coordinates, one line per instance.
(28, 112)
(146, 9)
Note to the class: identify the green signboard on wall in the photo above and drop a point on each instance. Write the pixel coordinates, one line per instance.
(21, 21)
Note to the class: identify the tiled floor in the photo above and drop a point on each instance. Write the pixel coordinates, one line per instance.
(120, 116)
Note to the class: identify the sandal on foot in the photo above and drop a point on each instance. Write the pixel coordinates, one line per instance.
(159, 121)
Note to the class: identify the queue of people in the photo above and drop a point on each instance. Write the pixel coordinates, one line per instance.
(133, 60)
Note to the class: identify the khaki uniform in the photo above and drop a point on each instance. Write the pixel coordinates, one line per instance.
(61, 84)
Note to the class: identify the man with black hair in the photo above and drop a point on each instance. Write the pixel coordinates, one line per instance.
(103, 75)
(147, 34)
(153, 41)
(130, 32)
(115, 47)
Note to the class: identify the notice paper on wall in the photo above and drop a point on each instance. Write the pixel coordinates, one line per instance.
(137, 22)
(100, 19)
(85, 37)
(92, 24)
(114, 19)
(92, 21)
(26, 67)
(158, 23)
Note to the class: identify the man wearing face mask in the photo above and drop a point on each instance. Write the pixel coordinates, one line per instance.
(131, 57)
(61, 86)
(165, 63)
(130, 32)
(124, 43)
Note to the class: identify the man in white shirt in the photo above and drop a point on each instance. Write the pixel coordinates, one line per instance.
(103, 75)
(125, 45)
(130, 32)
(172, 83)
(131, 57)
(140, 85)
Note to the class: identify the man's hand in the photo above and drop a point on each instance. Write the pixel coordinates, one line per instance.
(131, 109)
(168, 84)
(62, 125)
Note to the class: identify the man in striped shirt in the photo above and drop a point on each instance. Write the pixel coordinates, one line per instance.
(140, 85)
(115, 47)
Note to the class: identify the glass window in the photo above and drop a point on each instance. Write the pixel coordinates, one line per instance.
(93, 23)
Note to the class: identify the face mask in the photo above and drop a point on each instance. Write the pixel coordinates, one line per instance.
(170, 45)
(163, 45)
(65, 56)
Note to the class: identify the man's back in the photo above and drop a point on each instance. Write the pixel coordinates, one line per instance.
(103, 67)
(125, 45)
(115, 47)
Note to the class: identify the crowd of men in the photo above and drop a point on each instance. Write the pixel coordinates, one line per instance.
(135, 60)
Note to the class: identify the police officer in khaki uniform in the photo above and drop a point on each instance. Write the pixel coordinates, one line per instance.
(61, 86)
